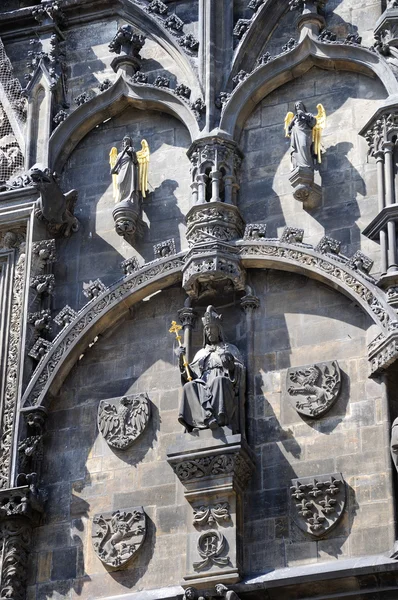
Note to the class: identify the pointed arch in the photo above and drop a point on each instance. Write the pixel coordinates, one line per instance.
(310, 52)
(108, 104)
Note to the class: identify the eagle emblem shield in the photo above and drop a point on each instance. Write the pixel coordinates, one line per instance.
(317, 503)
(313, 389)
(118, 535)
(122, 420)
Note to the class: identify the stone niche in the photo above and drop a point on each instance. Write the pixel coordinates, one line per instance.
(214, 467)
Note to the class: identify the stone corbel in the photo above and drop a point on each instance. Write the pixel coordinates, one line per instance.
(214, 472)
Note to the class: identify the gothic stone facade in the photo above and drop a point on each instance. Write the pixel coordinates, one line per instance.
(102, 494)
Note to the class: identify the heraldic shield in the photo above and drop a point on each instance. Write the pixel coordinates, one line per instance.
(317, 503)
(122, 420)
(313, 389)
(118, 535)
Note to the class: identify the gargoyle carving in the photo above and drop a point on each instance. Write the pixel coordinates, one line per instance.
(56, 208)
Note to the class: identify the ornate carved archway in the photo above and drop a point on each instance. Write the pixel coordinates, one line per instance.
(109, 306)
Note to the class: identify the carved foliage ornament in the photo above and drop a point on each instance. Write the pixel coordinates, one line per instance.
(208, 515)
(317, 503)
(118, 535)
(313, 389)
(122, 420)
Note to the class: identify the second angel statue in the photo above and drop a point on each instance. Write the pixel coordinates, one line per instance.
(305, 130)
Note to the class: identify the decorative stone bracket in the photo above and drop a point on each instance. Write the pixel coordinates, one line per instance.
(214, 468)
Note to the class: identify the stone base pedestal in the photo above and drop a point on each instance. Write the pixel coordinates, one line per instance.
(304, 188)
(214, 468)
(127, 220)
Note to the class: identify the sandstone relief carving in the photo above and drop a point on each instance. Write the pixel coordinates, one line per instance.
(313, 389)
(117, 536)
(317, 503)
(211, 546)
(122, 420)
(208, 515)
(214, 382)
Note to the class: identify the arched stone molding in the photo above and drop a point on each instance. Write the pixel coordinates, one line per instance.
(261, 27)
(110, 103)
(151, 27)
(114, 302)
(103, 311)
(290, 65)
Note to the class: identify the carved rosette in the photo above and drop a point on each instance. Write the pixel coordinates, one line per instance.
(313, 389)
(317, 503)
(122, 420)
(117, 536)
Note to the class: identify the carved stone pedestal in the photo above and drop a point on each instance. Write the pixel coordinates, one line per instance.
(214, 468)
(305, 190)
(127, 219)
(212, 229)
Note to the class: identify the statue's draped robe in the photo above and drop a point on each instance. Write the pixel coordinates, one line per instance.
(127, 179)
(216, 391)
(301, 141)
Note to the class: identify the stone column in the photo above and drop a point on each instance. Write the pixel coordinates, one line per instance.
(249, 304)
(381, 203)
(390, 199)
(228, 189)
(215, 185)
(201, 183)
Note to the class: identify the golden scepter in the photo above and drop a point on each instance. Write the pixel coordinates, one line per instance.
(175, 328)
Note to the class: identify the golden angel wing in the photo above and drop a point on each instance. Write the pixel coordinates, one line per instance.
(288, 119)
(143, 164)
(317, 131)
(112, 162)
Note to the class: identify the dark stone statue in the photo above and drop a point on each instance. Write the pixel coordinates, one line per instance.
(126, 170)
(214, 396)
(300, 131)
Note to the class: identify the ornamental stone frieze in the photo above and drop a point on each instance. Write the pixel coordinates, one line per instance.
(20, 510)
(214, 468)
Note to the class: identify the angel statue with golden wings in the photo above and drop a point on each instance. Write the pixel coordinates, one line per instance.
(129, 171)
(305, 132)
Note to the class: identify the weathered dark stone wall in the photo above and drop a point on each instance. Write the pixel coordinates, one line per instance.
(299, 321)
(348, 179)
(96, 250)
